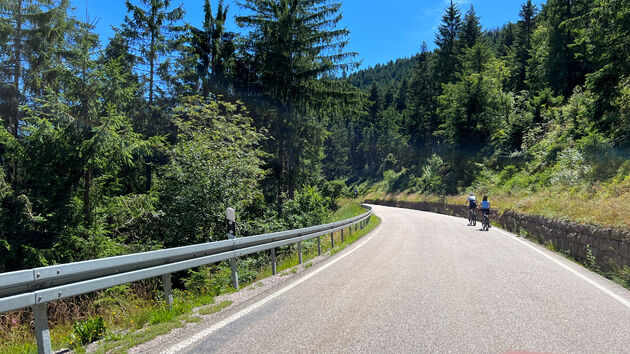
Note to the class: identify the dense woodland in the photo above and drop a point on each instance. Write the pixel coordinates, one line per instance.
(143, 141)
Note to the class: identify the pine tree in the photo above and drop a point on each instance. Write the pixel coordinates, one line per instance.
(23, 23)
(295, 44)
(564, 70)
(447, 42)
(150, 29)
(523, 44)
(213, 48)
(421, 120)
(375, 106)
(401, 97)
(470, 29)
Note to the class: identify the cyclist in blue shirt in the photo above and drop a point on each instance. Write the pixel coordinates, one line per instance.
(485, 206)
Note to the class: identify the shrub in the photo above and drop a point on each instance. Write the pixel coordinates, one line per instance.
(212, 280)
(89, 330)
(332, 191)
(306, 209)
(570, 168)
(431, 180)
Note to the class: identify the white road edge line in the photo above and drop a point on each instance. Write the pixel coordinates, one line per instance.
(606, 291)
(208, 331)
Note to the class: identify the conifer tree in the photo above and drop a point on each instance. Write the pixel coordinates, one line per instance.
(421, 120)
(212, 48)
(296, 42)
(22, 24)
(401, 97)
(447, 42)
(470, 30)
(150, 29)
(523, 44)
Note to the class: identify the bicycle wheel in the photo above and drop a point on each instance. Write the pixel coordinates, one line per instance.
(474, 219)
(484, 226)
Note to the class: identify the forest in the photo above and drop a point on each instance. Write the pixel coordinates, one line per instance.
(142, 142)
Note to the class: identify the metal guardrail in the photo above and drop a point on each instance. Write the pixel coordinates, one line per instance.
(36, 287)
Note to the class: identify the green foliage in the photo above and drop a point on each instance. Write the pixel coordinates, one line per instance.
(90, 330)
(308, 208)
(332, 191)
(431, 179)
(213, 280)
(215, 164)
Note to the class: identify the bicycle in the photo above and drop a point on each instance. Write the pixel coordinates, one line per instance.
(485, 223)
(472, 217)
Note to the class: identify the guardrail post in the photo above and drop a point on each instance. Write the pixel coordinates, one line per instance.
(300, 251)
(319, 246)
(231, 216)
(168, 290)
(332, 239)
(341, 235)
(42, 333)
(273, 261)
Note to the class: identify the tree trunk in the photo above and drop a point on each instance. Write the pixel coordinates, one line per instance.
(14, 126)
(151, 116)
(17, 73)
(87, 202)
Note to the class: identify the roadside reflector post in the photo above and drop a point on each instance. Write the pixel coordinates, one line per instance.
(42, 333)
(300, 251)
(231, 222)
(168, 290)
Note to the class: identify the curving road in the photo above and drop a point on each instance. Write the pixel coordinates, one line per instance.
(425, 282)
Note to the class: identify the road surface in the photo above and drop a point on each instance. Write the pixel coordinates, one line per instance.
(428, 283)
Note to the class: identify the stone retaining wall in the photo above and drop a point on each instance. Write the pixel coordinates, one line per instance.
(609, 246)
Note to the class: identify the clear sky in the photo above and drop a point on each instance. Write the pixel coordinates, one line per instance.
(381, 30)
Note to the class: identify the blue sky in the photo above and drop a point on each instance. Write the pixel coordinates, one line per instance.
(381, 30)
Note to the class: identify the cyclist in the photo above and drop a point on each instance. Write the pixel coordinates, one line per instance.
(472, 201)
(472, 205)
(485, 206)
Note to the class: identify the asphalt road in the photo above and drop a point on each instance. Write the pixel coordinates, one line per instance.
(425, 283)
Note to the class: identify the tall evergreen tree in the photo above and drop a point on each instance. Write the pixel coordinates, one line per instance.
(421, 120)
(523, 44)
(213, 47)
(150, 29)
(401, 97)
(375, 106)
(296, 43)
(470, 29)
(447, 42)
